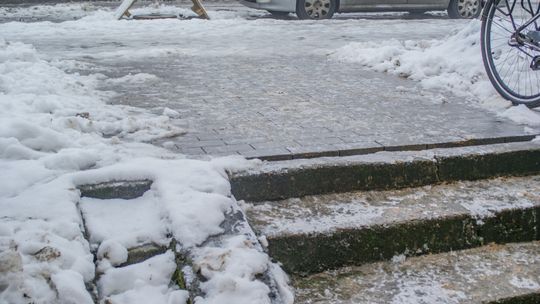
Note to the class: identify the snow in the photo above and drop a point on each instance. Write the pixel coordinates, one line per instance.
(524, 283)
(230, 270)
(522, 115)
(128, 222)
(416, 290)
(70, 287)
(155, 271)
(295, 217)
(453, 64)
(58, 131)
(113, 251)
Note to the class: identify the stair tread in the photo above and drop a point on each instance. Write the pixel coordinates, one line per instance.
(383, 171)
(331, 212)
(384, 157)
(480, 275)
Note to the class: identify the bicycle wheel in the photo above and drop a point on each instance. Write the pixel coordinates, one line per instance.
(509, 67)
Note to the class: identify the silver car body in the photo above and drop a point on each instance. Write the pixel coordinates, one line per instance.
(354, 5)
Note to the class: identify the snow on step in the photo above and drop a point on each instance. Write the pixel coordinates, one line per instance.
(481, 275)
(328, 213)
(355, 228)
(129, 222)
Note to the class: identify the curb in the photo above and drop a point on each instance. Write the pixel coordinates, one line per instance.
(384, 171)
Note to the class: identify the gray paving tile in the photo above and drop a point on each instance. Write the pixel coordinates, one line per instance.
(227, 148)
(269, 154)
(266, 103)
(192, 151)
(202, 143)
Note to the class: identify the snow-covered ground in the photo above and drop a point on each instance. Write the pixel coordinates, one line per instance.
(58, 130)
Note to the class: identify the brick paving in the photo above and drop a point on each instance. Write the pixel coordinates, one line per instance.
(268, 89)
(299, 107)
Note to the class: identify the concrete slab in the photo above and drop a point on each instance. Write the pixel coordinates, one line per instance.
(360, 227)
(384, 170)
(491, 274)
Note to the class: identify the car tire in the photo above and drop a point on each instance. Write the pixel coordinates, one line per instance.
(278, 14)
(315, 9)
(464, 9)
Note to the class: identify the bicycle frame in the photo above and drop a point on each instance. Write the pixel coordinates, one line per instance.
(517, 39)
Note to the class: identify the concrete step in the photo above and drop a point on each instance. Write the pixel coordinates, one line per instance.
(490, 274)
(384, 170)
(316, 233)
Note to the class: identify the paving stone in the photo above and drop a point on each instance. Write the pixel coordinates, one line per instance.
(322, 150)
(319, 141)
(192, 151)
(271, 154)
(245, 140)
(201, 143)
(266, 96)
(228, 148)
(408, 142)
(275, 144)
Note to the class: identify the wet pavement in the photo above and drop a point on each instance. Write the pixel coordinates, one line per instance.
(251, 85)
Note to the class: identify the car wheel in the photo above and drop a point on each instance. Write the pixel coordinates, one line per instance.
(464, 9)
(315, 9)
(278, 14)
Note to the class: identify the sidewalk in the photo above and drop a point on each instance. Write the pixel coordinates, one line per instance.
(270, 88)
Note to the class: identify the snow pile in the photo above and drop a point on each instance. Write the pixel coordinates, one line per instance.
(58, 132)
(58, 11)
(454, 64)
(143, 283)
(231, 271)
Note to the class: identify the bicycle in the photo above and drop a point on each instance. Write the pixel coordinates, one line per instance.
(510, 42)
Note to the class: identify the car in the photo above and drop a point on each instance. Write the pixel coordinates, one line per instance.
(325, 9)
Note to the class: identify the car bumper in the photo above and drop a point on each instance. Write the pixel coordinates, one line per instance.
(271, 5)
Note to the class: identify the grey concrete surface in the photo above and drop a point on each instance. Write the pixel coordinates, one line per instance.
(293, 105)
(481, 275)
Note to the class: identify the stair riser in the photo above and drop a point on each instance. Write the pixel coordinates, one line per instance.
(532, 298)
(322, 179)
(376, 243)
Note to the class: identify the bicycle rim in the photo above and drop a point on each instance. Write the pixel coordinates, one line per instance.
(508, 67)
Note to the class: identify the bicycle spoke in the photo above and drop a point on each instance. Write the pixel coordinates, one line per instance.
(510, 60)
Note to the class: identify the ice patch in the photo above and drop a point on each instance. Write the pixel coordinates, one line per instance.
(412, 291)
(138, 78)
(524, 283)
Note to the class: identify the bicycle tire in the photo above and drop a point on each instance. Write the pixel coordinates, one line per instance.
(532, 101)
